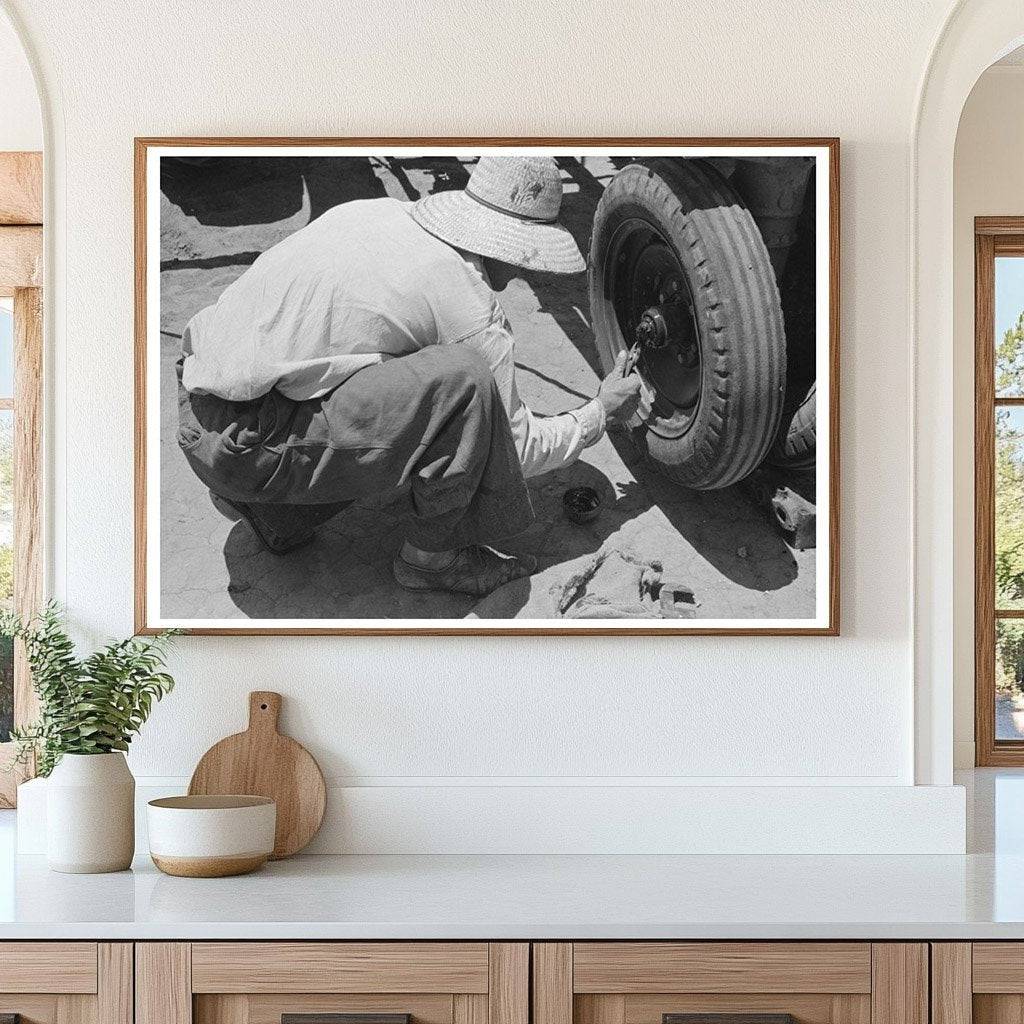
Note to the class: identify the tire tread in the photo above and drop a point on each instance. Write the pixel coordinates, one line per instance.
(739, 312)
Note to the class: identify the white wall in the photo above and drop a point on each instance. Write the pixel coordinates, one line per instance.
(397, 712)
(988, 181)
(20, 122)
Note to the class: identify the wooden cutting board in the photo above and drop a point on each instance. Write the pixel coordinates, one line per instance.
(262, 762)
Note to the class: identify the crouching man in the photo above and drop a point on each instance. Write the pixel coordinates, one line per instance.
(368, 350)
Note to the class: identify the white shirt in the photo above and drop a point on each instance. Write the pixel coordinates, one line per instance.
(362, 283)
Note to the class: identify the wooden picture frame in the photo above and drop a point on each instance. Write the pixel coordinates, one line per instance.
(148, 152)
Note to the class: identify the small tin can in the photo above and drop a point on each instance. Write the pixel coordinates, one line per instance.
(581, 504)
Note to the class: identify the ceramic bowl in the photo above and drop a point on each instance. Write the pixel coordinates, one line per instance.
(211, 836)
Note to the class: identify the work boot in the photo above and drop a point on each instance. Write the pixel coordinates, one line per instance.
(475, 570)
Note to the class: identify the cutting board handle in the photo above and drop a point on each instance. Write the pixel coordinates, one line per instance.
(264, 710)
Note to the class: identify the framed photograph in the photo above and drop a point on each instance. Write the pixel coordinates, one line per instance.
(487, 386)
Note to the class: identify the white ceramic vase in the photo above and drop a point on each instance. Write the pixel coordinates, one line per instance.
(90, 814)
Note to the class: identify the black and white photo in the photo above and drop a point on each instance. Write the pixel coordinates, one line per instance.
(423, 387)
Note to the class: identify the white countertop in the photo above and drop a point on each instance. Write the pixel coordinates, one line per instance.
(978, 896)
(532, 897)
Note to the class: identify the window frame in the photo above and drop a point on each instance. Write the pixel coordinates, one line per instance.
(21, 260)
(993, 237)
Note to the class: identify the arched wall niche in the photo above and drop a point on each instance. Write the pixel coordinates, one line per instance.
(975, 35)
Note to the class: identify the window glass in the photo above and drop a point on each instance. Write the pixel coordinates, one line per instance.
(6, 515)
(1009, 510)
(1009, 327)
(6, 431)
(6, 349)
(1009, 679)
(1005, 515)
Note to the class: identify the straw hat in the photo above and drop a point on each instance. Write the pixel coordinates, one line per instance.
(509, 212)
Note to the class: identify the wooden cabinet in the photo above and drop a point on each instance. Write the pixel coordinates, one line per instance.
(66, 982)
(261, 982)
(980, 982)
(650, 982)
(497, 983)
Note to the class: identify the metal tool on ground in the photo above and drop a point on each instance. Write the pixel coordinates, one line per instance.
(623, 584)
(677, 600)
(262, 762)
(796, 516)
(793, 513)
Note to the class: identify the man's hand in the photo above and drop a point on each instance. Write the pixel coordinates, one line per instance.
(619, 395)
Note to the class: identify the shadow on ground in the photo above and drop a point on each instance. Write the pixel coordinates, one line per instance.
(227, 192)
(359, 544)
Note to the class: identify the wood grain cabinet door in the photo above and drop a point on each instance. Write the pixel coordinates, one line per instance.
(977, 983)
(730, 983)
(66, 982)
(332, 983)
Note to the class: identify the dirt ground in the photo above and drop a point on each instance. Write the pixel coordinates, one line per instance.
(218, 216)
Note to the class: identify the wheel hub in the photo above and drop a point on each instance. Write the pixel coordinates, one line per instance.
(651, 296)
(672, 352)
(670, 323)
(652, 330)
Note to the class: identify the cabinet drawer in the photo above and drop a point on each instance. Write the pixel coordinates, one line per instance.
(635, 967)
(340, 967)
(48, 967)
(998, 967)
(66, 982)
(271, 1009)
(262, 982)
(730, 982)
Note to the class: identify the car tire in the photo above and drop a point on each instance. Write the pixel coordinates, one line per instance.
(712, 420)
(797, 442)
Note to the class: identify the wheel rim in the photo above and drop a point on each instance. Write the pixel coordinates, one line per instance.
(650, 294)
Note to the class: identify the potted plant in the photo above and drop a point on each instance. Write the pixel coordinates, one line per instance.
(89, 709)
